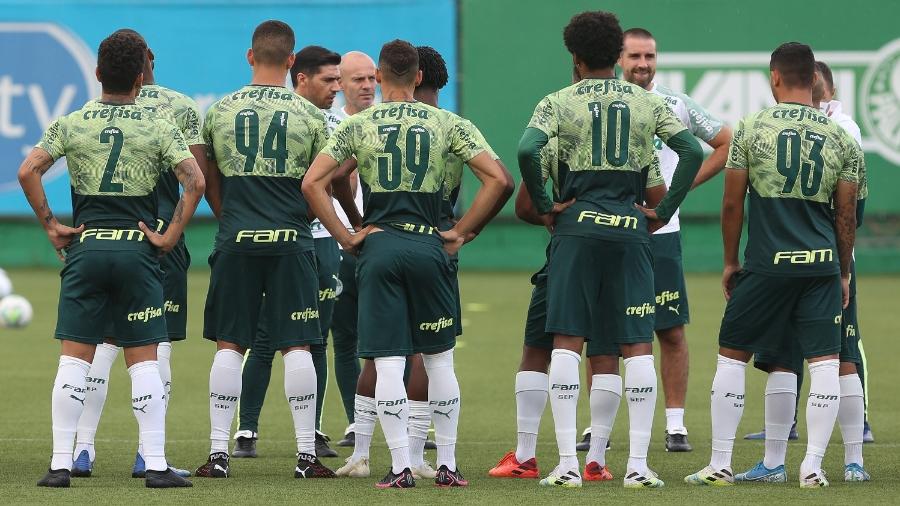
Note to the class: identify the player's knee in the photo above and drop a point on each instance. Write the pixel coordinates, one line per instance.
(604, 364)
(535, 359)
(672, 337)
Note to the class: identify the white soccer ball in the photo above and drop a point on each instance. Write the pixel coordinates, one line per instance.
(5, 284)
(15, 311)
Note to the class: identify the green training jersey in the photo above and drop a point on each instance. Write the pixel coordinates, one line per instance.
(263, 139)
(605, 130)
(796, 155)
(115, 156)
(453, 180)
(404, 151)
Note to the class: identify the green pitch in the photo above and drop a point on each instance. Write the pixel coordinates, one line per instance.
(487, 359)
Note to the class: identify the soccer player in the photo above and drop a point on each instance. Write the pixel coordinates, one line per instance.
(600, 268)
(638, 62)
(182, 110)
(260, 140)
(795, 162)
(116, 151)
(787, 364)
(401, 147)
(315, 77)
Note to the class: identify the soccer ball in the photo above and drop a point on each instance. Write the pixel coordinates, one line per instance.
(15, 311)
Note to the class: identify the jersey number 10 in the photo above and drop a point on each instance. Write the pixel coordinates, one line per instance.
(618, 121)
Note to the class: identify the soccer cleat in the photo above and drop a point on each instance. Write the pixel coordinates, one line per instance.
(595, 472)
(322, 448)
(403, 480)
(634, 479)
(216, 466)
(82, 466)
(56, 478)
(677, 442)
(308, 466)
(423, 471)
(446, 478)
(165, 479)
(349, 439)
(245, 445)
(708, 476)
(509, 467)
(430, 445)
(585, 443)
(814, 480)
(855, 472)
(761, 473)
(868, 437)
(556, 478)
(139, 469)
(354, 468)
(761, 435)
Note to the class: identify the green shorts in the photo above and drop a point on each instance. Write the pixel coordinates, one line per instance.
(343, 322)
(238, 285)
(328, 260)
(406, 299)
(668, 278)
(122, 287)
(765, 313)
(175, 265)
(600, 289)
(454, 264)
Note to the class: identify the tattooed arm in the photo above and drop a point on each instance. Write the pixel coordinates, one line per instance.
(193, 184)
(845, 229)
(30, 172)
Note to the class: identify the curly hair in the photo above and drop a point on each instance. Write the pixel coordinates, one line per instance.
(595, 38)
(120, 59)
(398, 61)
(433, 67)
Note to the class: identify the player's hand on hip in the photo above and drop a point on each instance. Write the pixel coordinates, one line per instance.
(354, 244)
(653, 221)
(845, 292)
(453, 241)
(162, 243)
(728, 279)
(60, 236)
(549, 219)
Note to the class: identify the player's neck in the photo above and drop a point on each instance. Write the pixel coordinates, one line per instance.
(426, 96)
(796, 96)
(118, 98)
(268, 76)
(398, 94)
(609, 73)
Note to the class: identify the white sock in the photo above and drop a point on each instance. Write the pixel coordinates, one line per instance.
(224, 392)
(300, 390)
(443, 397)
(821, 412)
(67, 403)
(393, 410)
(364, 417)
(97, 383)
(164, 357)
(727, 407)
(781, 402)
(675, 421)
(606, 394)
(850, 418)
(149, 406)
(564, 387)
(640, 390)
(531, 399)
(419, 422)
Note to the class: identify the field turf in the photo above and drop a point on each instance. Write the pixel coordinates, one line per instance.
(487, 359)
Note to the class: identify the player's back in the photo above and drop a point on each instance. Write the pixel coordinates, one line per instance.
(795, 156)
(263, 139)
(453, 179)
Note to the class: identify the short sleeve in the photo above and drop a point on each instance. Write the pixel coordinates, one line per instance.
(667, 123)
(544, 117)
(654, 174)
(320, 133)
(702, 124)
(190, 124)
(853, 163)
(340, 144)
(173, 147)
(207, 134)
(863, 185)
(464, 140)
(738, 154)
(53, 140)
(479, 138)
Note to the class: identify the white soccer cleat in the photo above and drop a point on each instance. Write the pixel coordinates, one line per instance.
(634, 479)
(354, 468)
(423, 471)
(558, 478)
(814, 480)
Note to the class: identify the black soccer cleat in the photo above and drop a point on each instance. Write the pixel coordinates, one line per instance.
(585, 443)
(165, 479)
(447, 478)
(430, 445)
(403, 480)
(349, 440)
(56, 478)
(676, 442)
(308, 466)
(244, 448)
(216, 466)
(322, 448)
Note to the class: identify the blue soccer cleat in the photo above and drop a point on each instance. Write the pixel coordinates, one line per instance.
(868, 437)
(82, 466)
(855, 472)
(139, 470)
(761, 435)
(761, 473)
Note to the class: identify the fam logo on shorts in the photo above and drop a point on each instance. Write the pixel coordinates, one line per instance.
(305, 315)
(45, 72)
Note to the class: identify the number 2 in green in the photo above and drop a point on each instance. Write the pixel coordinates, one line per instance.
(114, 135)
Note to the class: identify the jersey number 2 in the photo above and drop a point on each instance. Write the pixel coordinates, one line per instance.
(115, 136)
(274, 146)
(390, 173)
(618, 121)
(790, 166)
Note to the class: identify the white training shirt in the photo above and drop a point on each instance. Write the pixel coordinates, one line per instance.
(333, 118)
(835, 110)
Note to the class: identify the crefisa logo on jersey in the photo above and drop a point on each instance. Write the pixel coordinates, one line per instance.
(45, 72)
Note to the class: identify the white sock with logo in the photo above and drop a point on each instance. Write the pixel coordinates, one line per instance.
(149, 406)
(67, 403)
(675, 421)
(781, 402)
(444, 399)
(164, 357)
(97, 383)
(300, 390)
(851, 416)
(727, 408)
(821, 412)
(606, 394)
(419, 422)
(564, 388)
(364, 417)
(224, 392)
(640, 392)
(531, 399)
(393, 409)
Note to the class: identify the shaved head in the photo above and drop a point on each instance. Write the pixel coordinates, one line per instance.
(358, 80)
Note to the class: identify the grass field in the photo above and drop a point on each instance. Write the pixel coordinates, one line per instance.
(487, 359)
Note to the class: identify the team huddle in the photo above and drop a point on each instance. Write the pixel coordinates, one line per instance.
(329, 216)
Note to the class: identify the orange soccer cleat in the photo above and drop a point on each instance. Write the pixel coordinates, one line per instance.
(509, 467)
(595, 472)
